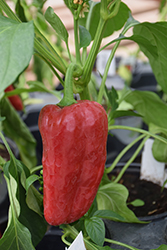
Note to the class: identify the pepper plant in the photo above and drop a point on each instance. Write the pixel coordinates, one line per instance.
(23, 38)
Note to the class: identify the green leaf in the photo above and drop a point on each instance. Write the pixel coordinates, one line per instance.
(122, 113)
(56, 24)
(157, 37)
(2, 119)
(113, 196)
(20, 11)
(85, 37)
(16, 129)
(137, 203)
(96, 230)
(112, 25)
(16, 237)
(110, 215)
(16, 49)
(16, 172)
(150, 106)
(162, 247)
(30, 180)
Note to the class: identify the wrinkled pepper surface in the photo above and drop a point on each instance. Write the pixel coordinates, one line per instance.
(15, 100)
(74, 154)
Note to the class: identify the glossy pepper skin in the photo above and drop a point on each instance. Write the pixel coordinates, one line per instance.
(15, 100)
(74, 154)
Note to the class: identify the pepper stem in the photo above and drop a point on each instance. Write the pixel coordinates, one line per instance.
(68, 97)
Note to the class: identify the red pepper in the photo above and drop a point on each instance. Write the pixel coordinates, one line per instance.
(15, 100)
(74, 154)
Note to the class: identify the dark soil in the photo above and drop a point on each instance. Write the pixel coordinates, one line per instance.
(155, 200)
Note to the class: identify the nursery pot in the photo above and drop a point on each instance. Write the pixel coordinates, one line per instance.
(143, 236)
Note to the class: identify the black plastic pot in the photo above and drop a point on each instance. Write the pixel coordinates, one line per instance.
(52, 240)
(142, 236)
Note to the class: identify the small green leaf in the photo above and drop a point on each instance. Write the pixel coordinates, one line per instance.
(17, 40)
(85, 37)
(95, 229)
(30, 180)
(137, 203)
(56, 24)
(113, 196)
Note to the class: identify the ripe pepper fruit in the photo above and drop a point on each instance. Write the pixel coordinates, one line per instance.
(74, 154)
(15, 100)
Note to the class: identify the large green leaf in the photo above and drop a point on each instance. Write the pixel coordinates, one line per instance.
(113, 196)
(16, 237)
(16, 49)
(157, 36)
(150, 106)
(113, 24)
(154, 113)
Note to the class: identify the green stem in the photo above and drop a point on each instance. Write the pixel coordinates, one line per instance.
(102, 86)
(84, 95)
(142, 131)
(68, 97)
(45, 53)
(52, 50)
(76, 39)
(51, 67)
(108, 170)
(7, 146)
(34, 170)
(4, 6)
(120, 244)
(88, 66)
(131, 160)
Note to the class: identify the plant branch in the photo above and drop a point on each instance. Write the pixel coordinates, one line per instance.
(76, 38)
(131, 159)
(108, 170)
(120, 244)
(160, 138)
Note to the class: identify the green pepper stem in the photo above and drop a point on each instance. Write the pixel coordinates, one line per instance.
(68, 97)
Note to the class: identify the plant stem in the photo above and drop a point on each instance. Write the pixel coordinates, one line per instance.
(68, 97)
(102, 86)
(120, 244)
(88, 66)
(51, 67)
(52, 50)
(131, 159)
(108, 170)
(77, 48)
(160, 138)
